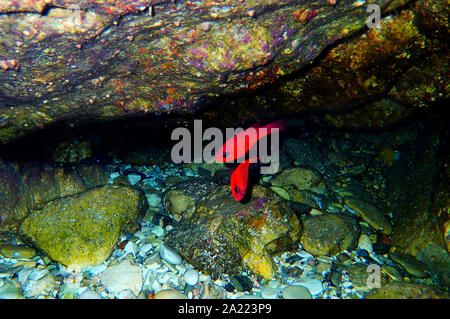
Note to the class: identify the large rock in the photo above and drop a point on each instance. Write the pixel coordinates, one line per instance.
(225, 236)
(181, 198)
(329, 234)
(369, 213)
(96, 59)
(81, 230)
(28, 186)
(417, 188)
(372, 80)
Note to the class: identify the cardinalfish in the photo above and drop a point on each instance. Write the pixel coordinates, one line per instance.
(230, 152)
(237, 146)
(239, 180)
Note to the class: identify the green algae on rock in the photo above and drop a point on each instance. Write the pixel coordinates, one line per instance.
(373, 80)
(369, 213)
(101, 60)
(302, 178)
(407, 290)
(29, 185)
(81, 230)
(226, 236)
(329, 234)
(17, 251)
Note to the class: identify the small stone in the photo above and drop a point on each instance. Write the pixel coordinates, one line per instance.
(114, 175)
(393, 273)
(205, 26)
(130, 248)
(242, 283)
(296, 292)
(313, 285)
(9, 291)
(170, 255)
(127, 294)
(96, 270)
(153, 200)
(191, 277)
(410, 264)
(229, 287)
(17, 251)
(250, 297)
(169, 294)
(302, 178)
(121, 277)
(38, 283)
(281, 191)
(145, 249)
(134, 179)
(270, 293)
(90, 294)
(158, 231)
(274, 284)
(365, 243)
(26, 263)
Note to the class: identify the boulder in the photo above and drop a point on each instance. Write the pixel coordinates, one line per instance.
(81, 230)
(226, 236)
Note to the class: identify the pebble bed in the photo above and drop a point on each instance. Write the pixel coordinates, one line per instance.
(143, 267)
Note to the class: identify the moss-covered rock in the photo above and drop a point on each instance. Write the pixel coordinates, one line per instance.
(407, 290)
(225, 236)
(329, 234)
(95, 60)
(82, 229)
(28, 186)
(181, 198)
(369, 213)
(302, 178)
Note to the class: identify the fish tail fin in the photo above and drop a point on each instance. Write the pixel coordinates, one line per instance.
(280, 124)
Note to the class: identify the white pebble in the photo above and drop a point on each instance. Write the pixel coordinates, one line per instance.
(158, 231)
(269, 293)
(121, 277)
(170, 255)
(153, 200)
(156, 286)
(134, 179)
(304, 254)
(250, 297)
(191, 277)
(274, 284)
(296, 292)
(94, 271)
(127, 294)
(89, 294)
(365, 243)
(113, 176)
(313, 285)
(130, 248)
(145, 249)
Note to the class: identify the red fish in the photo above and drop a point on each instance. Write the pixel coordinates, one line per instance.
(230, 150)
(239, 180)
